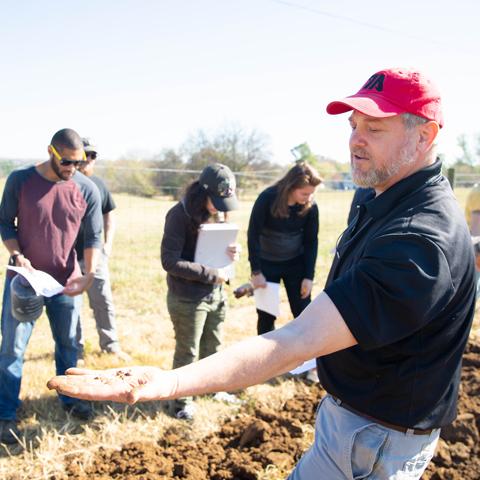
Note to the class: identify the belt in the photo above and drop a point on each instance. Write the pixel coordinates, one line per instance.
(398, 428)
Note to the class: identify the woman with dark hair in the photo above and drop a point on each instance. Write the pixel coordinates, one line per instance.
(282, 239)
(196, 300)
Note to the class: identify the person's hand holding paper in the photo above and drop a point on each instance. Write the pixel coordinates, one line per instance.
(43, 283)
(268, 298)
(233, 251)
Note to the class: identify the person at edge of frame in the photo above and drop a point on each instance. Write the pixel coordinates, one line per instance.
(196, 298)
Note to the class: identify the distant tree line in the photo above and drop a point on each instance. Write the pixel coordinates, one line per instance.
(246, 152)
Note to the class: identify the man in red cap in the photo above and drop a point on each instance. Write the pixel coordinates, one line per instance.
(390, 328)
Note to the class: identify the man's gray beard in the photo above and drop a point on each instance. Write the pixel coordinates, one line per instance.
(373, 178)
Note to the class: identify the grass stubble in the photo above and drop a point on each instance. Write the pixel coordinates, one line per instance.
(139, 289)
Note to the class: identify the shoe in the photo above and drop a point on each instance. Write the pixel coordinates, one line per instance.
(120, 355)
(9, 432)
(81, 410)
(227, 398)
(186, 413)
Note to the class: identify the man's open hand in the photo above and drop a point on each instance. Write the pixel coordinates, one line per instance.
(78, 285)
(126, 385)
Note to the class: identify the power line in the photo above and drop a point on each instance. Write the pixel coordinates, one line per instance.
(373, 26)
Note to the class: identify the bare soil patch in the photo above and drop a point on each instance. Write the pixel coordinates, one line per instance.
(257, 437)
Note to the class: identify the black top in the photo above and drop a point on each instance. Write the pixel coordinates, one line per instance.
(107, 203)
(360, 196)
(185, 278)
(403, 281)
(272, 238)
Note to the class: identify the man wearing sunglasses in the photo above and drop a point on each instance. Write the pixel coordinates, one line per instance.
(100, 292)
(41, 211)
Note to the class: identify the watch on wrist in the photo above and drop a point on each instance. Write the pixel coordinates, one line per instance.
(13, 259)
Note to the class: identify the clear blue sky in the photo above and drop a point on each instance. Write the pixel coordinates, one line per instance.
(139, 76)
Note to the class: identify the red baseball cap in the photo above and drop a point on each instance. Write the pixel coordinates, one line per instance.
(394, 91)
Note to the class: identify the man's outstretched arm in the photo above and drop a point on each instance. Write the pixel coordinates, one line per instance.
(318, 330)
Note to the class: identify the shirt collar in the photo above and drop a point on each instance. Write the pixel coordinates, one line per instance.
(384, 203)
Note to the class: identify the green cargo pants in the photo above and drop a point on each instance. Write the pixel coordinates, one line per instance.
(198, 328)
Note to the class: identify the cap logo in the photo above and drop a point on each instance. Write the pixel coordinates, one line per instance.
(375, 82)
(224, 188)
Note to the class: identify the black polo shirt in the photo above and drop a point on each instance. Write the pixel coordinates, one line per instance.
(403, 281)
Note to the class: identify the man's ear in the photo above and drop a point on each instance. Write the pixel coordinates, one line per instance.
(427, 133)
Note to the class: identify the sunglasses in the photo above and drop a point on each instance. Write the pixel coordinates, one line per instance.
(64, 162)
(91, 155)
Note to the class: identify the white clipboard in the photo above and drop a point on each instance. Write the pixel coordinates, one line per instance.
(212, 242)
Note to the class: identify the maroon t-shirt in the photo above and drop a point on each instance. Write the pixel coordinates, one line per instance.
(45, 218)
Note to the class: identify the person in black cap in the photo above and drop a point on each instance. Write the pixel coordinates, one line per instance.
(283, 239)
(196, 299)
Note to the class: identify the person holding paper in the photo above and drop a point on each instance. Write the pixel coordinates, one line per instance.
(41, 212)
(282, 239)
(196, 299)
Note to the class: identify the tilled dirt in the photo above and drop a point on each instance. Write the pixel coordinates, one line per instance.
(245, 445)
(458, 453)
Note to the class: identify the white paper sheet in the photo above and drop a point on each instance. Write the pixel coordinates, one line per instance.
(304, 367)
(212, 242)
(42, 282)
(268, 299)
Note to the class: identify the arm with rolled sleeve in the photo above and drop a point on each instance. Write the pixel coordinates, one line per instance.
(173, 241)
(93, 227)
(8, 214)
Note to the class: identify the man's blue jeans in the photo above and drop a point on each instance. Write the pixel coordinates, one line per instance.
(63, 313)
(350, 447)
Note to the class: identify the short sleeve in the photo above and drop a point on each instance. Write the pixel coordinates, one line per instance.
(398, 286)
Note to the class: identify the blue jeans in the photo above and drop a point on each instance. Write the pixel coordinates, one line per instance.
(348, 446)
(63, 313)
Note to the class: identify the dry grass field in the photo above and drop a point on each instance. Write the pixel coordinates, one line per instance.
(139, 289)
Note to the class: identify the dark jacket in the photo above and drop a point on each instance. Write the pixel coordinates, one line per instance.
(185, 278)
